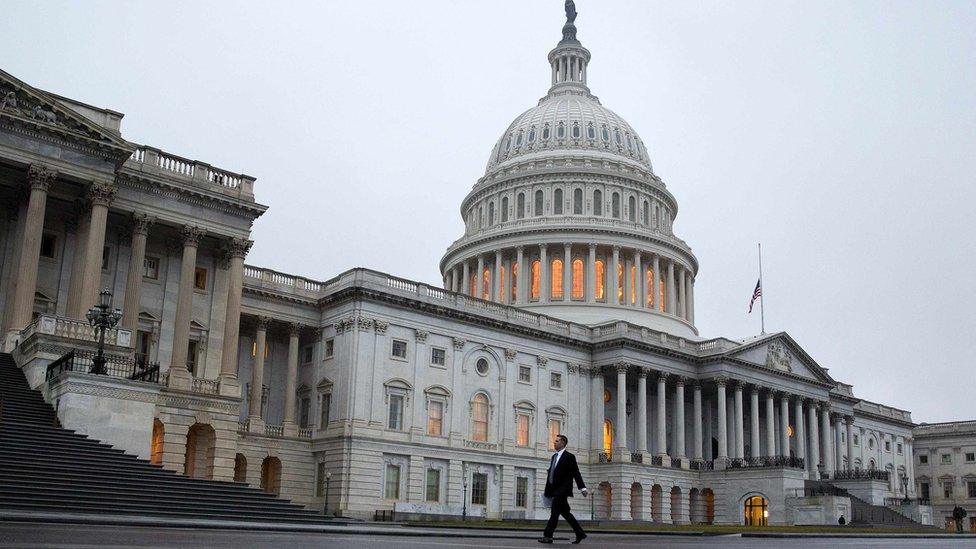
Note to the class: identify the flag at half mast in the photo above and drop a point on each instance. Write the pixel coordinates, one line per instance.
(756, 294)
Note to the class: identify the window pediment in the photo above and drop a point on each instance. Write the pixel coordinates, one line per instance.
(324, 385)
(438, 390)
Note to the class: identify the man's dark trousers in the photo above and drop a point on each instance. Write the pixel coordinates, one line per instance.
(560, 506)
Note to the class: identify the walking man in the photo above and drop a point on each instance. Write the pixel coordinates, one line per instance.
(563, 470)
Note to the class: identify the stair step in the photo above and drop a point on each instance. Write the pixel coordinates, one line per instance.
(80, 507)
(146, 496)
(69, 451)
(164, 483)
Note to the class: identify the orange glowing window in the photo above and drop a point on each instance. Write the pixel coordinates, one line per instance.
(607, 436)
(473, 285)
(620, 282)
(556, 279)
(501, 283)
(650, 287)
(600, 281)
(633, 284)
(660, 302)
(578, 278)
(515, 271)
(536, 278)
(486, 284)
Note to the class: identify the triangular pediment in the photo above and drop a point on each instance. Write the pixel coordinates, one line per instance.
(780, 353)
(23, 106)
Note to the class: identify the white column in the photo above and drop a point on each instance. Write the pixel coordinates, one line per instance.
(567, 271)
(662, 418)
(184, 303)
(236, 250)
(466, 288)
(838, 445)
(691, 298)
(39, 179)
(100, 196)
(784, 418)
(739, 435)
(479, 278)
(612, 275)
(544, 274)
(849, 420)
(641, 410)
(591, 275)
(754, 421)
(679, 417)
(813, 466)
(496, 279)
(620, 434)
(801, 449)
(520, 279)
(828, 450)
(723, 435)
(656, 290)
(291, 380)
(598, 415)
(639, 283)
(133, 279)
(257, 372)
(696, 452)
(682, 296)
(669, 290)
(770, 424)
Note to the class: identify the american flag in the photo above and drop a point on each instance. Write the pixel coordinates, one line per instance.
(756, 294)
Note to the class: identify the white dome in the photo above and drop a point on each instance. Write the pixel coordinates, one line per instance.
(569, 123)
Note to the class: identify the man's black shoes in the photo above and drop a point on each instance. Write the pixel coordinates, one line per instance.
(579, 538)
(545, 540)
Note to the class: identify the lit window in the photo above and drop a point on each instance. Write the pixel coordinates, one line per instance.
(479, 418)
(473, 286)
(435, 418)
(438, 356)
(556, 279)
(555, 380)
(607, 436)
(600, 280)
(620, 282)
(392, 490)
(515, 271)
(650, 287)
(395, 418)
(557, 202)
(501, 283)
(555, 427)
(200, 278)
(522, 430)
(607, 397)
(485, 284)
(150, 268)
(329, 348)
(525, 374)
(578, 281)
(49, 246)
(399, 348)
(633, 284)
(479, 489)
(433, 491)
(536, 274)
(661, 296)
(597, 203)
(521, 491)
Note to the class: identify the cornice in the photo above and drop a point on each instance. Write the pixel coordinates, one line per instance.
(189, 195)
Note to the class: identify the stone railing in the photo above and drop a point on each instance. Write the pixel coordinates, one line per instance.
(856, 474)
(191, 170)
(766, 461)
(676, 462)
(70, 328)
(882, 410)
(701, 465)
(305, 433)
(946, 428)
(637, 457)
(282, 282)
(274, 430)
(205, 386)
(243, 426)
(478, 445)
(657, 461)
(606, 457)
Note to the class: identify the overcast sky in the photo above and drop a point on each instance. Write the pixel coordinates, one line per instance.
(840, 134)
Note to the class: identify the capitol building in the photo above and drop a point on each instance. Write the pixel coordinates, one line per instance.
(566, 307)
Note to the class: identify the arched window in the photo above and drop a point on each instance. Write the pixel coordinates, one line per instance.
(632, 209)
(271, 475)
(650, 287)
(501, 283)
(597, 203)
(539, 201)
(532, 135)
(615, 205)
(556, 279)
(536, 274)
(620, 282)
(576, 130)
(156, 446)
(504, 209)
(607, 436)
(756, 511)
(660, 301)
(520, 206)
(491, 213)
(578, 201)
(486, 284)
(606, 133)
(479, 418)
(561, 130)
(481, 214)
(240, 468)
(590, 131)
(644, 214)
(515, 280)
(545, 132)
(518, 140)
(578, 281)
(508, 143)
(557, 202)
(617, 137)
(600, 282)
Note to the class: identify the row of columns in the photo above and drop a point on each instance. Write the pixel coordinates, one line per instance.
(257, 374)
(677, 280)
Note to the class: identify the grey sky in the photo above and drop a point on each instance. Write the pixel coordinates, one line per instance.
(840, 134)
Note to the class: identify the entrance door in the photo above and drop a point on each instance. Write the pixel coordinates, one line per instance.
(756, 511)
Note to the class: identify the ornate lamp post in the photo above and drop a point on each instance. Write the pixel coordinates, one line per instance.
(102, 318)
(904, 486)
(464, 501)
(328, 477)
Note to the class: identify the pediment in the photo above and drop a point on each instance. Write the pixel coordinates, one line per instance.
(779, 352)
(25, 107)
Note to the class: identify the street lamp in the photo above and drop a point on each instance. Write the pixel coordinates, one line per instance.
(464, 501)
(904, 486)
(101, 318)
(328, 477)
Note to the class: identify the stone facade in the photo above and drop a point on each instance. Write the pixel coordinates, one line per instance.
(566, 307)
(945, 469)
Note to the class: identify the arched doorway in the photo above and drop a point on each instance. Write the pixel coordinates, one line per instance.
(636, 501)
(271, 475)
(657, 503)
(240, 468)
(604, 499)
(608, 437)
(696, 510)
(709, 496)
(156, 446)
(756, 511)
(200, 441)
(677, 511)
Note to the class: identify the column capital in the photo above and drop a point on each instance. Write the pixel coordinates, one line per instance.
(101, 193)
(40, 176)
(459, 343)
(141, 223)
(379, 326)
(616, 248)
(696, 384)
(420, 335)
(596, 371)
(662, 377)
(295, 329)
(849, 419)
(263, 322)
(510, 354)
(541, 361)
(520, 248)
(720, 381)
(641, 372)
(543, 247)
(621, 367)
(191, 235)
(592, 246)
(567, 245)
(238, 247)
(679, 381)
(783, 395)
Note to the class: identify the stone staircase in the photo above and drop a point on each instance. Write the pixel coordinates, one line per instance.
(863, 513)
(47, 469)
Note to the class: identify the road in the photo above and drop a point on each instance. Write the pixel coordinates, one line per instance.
(23, 535)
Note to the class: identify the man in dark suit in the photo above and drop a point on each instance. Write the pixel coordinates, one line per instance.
(563, 470)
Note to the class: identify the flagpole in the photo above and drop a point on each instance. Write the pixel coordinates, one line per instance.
(762, 311)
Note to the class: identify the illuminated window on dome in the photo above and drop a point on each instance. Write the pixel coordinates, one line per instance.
(661, 302)
(620, 282)
(501, 283)
(486, 284)
(515, 271)
(557, 202)
(578, 201)
(633, 284)
(650, 287)
(556, 279)
(578, 281)
(536, 274)
(601, 280)
(473, 286)
(597, 203)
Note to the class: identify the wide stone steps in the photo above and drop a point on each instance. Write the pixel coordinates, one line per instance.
(45, 468)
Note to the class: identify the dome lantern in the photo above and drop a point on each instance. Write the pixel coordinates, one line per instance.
(569, 58)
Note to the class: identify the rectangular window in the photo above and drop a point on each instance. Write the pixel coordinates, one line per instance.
(971, 489)
(970, 457)
(200, 278)
(49, 246)
(395, 419)
(525, 374)
(307, 354)
(438, 357)
(320, 479)
(303, 410)
(150, 268)
(946, 459)
(143, 342)
(433, 492)
(479, 488)
(857, 440)
(923, 490)
(399, 349)
(923, 460)
(947, 489)
(555, 427)
(843, 437)
(329, 348)
(324, 405)
(899, 448)
(887, 446)
(435, 418)
(555, 380)
(392, 490)
(106, 254)
(191, 357)
(521, 491)
(522, 428)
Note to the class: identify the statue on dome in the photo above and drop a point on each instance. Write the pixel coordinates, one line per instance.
(570, 12)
